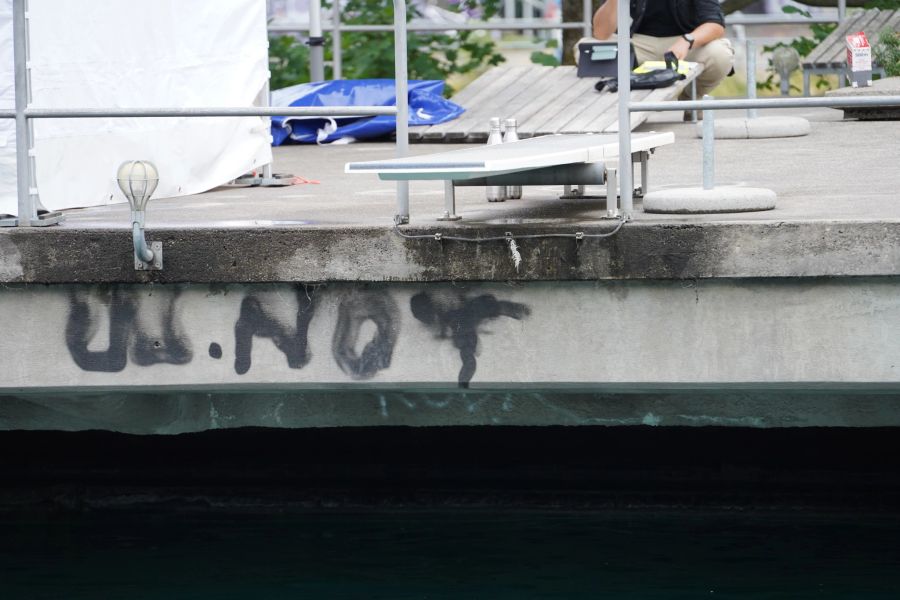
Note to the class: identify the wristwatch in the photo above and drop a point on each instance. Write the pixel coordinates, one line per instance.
(689, 38)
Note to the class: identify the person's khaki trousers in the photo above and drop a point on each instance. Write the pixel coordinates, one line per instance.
(717, 57)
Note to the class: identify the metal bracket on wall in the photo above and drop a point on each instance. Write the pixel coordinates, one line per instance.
(154, 265)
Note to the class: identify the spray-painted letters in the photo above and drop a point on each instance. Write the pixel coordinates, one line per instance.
(111, 326)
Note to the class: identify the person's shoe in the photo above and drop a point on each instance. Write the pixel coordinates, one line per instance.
(688, 117)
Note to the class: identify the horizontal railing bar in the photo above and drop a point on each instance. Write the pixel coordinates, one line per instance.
(829, 102)
(291, 27)
(236, 111)
(763, 20)
(492, 25)
(352, 111)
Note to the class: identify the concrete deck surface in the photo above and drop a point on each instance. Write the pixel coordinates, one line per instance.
(837, 214)
(842, 170)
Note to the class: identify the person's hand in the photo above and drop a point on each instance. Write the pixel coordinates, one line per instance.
(680, 48)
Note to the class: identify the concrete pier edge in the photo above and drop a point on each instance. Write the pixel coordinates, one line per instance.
(641, 250)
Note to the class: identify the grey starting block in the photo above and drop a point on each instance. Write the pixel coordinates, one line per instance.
(581, 159)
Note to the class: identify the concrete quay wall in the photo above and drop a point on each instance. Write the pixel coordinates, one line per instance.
(640, 250)
(749, 352)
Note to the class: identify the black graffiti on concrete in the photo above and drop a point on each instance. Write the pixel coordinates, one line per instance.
(160, 342)
(355, 309)
(149, 336)
(458, 318)
(284, 320)
(83, 324)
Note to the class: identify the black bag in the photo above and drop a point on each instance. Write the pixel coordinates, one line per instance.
(599, 59)
(647, 81)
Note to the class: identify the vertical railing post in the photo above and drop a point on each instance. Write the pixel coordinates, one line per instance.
(842, 10)
(27, 208)
(751, 76)
(709, 147)
(624, 76)
(336, 56)
(402, 86)
(588, 16)
(316, 42)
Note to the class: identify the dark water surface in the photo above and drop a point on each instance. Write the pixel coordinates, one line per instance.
(450, 554)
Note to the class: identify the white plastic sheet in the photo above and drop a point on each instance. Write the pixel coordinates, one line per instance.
(140, 53)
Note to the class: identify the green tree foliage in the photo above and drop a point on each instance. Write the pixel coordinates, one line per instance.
(887, 52)
(288, 61)
(539, 57)
(432, 55)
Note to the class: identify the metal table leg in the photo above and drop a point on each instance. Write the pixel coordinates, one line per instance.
(449, 203)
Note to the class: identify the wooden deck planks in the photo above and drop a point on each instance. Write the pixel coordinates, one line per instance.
(534, 95)
(544, 100)
(831, 52)
(836, 36)
(531, 92)
(496, 105)
(869, 23)
(493, 84)
(558, 111)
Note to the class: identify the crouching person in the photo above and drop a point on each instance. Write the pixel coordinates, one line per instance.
(693, 30)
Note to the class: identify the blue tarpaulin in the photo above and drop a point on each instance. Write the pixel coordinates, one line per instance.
(426, 107)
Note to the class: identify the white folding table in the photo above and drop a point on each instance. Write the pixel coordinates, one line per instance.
(579, 159)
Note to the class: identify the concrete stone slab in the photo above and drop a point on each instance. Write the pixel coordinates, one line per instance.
(757, 128)
(889, 86)
(720, 199)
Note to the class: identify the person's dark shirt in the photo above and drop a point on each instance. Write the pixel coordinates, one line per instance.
(659, 20)
(682, 15)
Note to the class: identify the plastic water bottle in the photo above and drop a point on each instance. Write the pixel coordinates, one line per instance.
(495, 193)
(513, 192)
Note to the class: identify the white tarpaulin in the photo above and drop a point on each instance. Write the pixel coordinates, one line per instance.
(138, 53)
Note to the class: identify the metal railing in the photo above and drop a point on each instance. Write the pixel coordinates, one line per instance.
(626, 107)
(315, 28)
(26, 181)
(24, 114)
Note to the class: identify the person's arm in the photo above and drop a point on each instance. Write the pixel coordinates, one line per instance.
(605, 20)
(703, 34)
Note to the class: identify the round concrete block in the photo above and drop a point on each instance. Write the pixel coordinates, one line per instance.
(760, 127)
(721, 199)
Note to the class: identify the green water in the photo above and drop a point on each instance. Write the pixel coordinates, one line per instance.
(450, 554)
